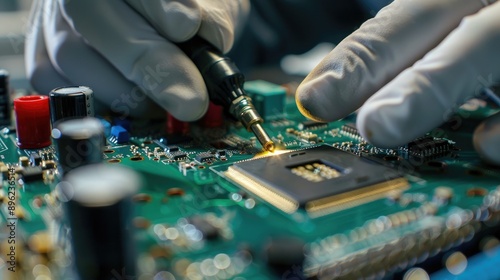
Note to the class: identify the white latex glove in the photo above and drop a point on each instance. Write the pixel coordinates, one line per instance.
(408, 69)
(123, 50)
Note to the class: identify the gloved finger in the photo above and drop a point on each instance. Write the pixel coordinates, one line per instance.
(425, 95)
(39, 69)
(382, 47)
(221, 20)
(487, 139)
(178, 21)
(82, 65)
(140, 54)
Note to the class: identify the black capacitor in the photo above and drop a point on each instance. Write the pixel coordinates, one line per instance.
(98, 208)
(5, 108)
(78, 142)
(71, 102)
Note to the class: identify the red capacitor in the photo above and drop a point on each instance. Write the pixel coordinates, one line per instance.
(214, 116)
(32, 121)
(176, 127)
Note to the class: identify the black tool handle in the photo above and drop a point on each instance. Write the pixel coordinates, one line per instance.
(223, 79)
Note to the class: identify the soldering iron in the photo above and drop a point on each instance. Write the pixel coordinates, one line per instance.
(224, 82)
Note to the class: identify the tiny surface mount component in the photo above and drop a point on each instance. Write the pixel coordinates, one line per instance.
(178, 156)
(304, 135)
(311, 125)
(205, 157)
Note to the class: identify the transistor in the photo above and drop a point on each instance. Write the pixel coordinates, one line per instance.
(179, 155)
(35, 159)
(205, 157)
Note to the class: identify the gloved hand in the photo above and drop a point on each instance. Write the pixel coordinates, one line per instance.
(408, 69)
(123, 50)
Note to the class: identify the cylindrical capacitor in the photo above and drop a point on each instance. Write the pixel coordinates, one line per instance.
(99, 211)
(32, 121)
(4, 98)
(79, 142)
(71, 102)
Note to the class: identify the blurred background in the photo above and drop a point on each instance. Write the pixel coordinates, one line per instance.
(13, 22)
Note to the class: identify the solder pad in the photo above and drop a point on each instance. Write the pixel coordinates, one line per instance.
(320, 180)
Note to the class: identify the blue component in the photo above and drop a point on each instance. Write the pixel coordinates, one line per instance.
(107, 127)
(122, 122)
(120, 134)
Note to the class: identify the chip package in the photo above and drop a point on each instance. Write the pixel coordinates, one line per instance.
(320, 180)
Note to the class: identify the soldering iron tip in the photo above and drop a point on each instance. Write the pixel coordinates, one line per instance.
(269, 146)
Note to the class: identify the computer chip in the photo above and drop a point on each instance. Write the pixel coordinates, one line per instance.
(320, 180)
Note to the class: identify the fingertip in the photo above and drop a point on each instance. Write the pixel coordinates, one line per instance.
(315, 102)
(377, 126)
(372, 130)
(185, 103)
(486, 140)
(304, 104)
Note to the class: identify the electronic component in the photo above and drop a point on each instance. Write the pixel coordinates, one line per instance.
(214, 117)
(178, 155)
(32, 173)
(282, 253)
(32, 121)
(119, 134)
(208, 230)
(205, 157)
(175, 126)
(351, 130)
(221, 154)
(4, 98)
(24, 161)
(172, 149)
(268, 99)
(225, 85)
(71, 102)
(99, 213)
(427, 148)
(304, 135)
(311, 125)
(345, 182)
(35, 159)
(79, 142)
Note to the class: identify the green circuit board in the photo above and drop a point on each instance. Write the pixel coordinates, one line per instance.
(214, 206)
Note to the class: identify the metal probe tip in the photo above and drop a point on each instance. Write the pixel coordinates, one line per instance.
(262, 136)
